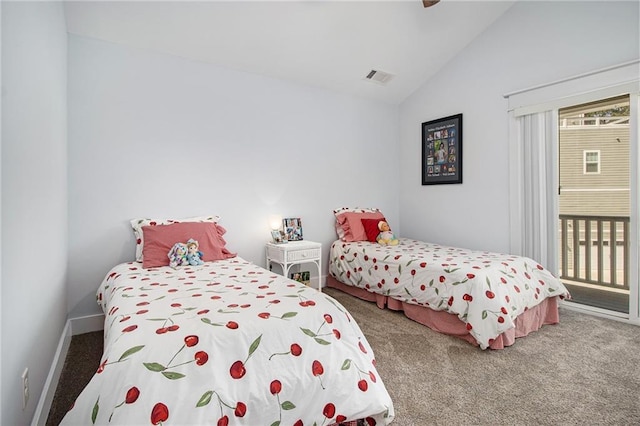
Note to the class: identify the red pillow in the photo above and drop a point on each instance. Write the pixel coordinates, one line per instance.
(159, 239)
(371, 228)
(351, 224)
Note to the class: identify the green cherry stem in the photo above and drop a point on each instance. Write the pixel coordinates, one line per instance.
(174, 357)
(278, 353)
(178, 365)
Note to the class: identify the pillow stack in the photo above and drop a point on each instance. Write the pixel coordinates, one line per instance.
(358, 224)
(155, 237)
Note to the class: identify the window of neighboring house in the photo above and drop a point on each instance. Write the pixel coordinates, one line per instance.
(591, 162)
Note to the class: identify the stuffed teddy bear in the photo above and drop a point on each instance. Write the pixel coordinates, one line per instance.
(193, 254)
(178, 255)
(386, 237)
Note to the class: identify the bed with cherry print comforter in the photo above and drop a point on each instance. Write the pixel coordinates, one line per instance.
(487, 291)
(224, 343)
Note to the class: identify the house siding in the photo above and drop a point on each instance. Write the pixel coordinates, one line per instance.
(603, 194)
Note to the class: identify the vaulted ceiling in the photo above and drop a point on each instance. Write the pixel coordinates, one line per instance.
(327, 44)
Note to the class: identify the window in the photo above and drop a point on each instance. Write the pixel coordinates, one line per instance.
(591, 162)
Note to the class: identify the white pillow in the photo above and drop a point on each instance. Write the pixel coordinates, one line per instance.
(354, 210)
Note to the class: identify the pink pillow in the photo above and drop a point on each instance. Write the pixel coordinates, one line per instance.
(351, 224)
(371, 228)
(159, 239)
(138, 223)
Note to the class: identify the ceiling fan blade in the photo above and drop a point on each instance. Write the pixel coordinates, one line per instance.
(427, 3)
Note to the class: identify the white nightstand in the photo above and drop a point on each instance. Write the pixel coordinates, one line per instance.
(295, 253)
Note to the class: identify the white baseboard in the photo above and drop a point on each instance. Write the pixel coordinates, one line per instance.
(72, 327)
(44, 404)
(87, 324)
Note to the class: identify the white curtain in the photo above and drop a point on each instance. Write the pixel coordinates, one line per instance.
(534, 187)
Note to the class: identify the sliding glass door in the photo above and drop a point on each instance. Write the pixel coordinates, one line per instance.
(574, 187)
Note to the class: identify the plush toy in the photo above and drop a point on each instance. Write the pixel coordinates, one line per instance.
(194, 256)
(386, 237)
(178, 255)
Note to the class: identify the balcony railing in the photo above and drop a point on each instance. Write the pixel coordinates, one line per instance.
(580, 121)
(595, 250)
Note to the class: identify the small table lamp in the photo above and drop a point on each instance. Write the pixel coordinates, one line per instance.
(275, 223)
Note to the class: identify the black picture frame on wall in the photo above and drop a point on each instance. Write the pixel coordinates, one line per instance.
(442, 150)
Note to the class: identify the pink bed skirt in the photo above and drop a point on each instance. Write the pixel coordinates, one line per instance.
(531, 320)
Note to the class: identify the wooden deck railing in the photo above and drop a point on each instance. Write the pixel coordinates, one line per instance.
(595, 250)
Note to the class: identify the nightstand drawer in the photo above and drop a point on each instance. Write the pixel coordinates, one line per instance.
(294, 256)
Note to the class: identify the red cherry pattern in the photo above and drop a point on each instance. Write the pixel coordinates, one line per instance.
(201, 357)
(237, 370)
(131, 396)
(329, 410)
(159, 414)
(191, 340)
(362, 374)
(177, 325)
(276, 388)
(317, 369)
(294, 350)
(479, 287)
(239, 409)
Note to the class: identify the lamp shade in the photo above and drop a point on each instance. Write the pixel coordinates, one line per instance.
(275, 222)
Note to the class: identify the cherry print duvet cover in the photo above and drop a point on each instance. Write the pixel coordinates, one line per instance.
(223, 343)
(487, 291)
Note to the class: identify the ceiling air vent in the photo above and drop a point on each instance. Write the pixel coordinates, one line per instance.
(379, 77)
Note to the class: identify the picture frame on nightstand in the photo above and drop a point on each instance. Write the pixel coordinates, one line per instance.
(292, 228)
(278, 237)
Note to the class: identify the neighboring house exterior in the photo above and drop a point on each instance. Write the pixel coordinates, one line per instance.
(594, 163)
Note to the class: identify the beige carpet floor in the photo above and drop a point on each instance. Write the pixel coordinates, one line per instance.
(583, 371)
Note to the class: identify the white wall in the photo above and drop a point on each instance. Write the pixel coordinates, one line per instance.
(161, 136)
(532, 43)
(34, 198)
